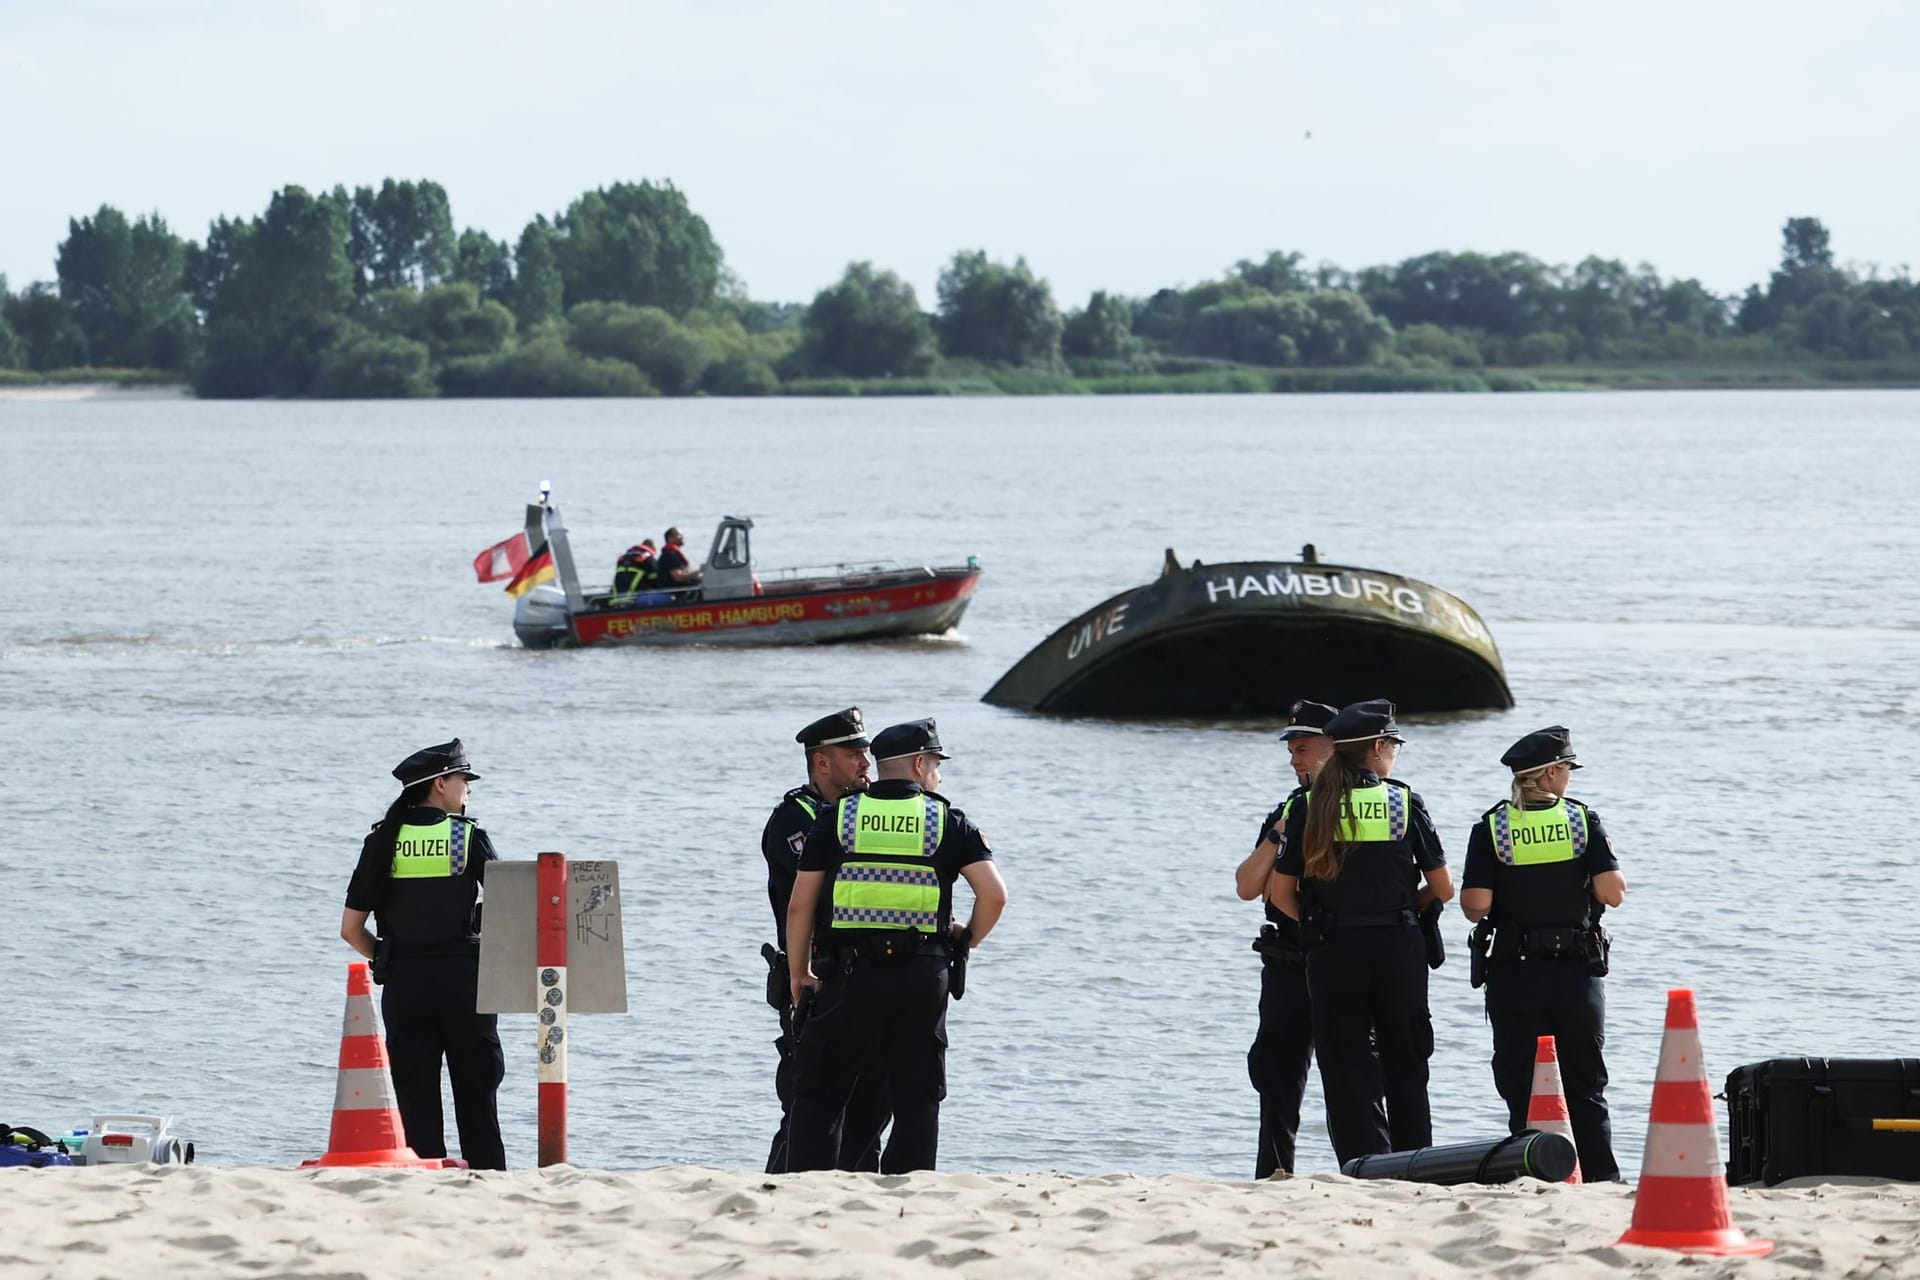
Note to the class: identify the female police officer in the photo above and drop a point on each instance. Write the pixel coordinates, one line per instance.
(1539, 871)
(420, 871)
(1350, 870)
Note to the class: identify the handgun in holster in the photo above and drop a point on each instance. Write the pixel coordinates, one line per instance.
(1430, 934)
(1479, 945)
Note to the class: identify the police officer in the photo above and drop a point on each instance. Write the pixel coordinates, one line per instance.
(1540, 870)
(1356, 848)
(420, 872)
(836, 756)
(1282, 1049)
(876, 885)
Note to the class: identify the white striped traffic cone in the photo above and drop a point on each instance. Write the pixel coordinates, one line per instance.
(366, 1122)
(1681, 1202)
(1547, 1107)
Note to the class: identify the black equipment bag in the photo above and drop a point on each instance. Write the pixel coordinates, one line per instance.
(1800, 1117)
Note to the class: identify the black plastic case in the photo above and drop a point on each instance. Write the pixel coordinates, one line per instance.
(1800, 1117)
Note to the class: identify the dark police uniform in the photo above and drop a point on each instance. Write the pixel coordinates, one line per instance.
(1367, 958)
(780, 844)
(421, 881)
(892, 854)
(1282, 1049)
(1541, 971)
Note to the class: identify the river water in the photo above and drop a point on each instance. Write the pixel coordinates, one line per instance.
(222, 624)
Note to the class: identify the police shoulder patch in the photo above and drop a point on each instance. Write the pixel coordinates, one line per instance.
(796, 842)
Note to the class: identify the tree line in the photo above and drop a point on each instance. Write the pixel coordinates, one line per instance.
(373, 293)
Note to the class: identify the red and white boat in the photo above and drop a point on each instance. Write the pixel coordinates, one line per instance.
(732, 604)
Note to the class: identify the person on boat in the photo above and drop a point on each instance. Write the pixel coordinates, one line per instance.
(875, 886)
(1282, 1050)
(836, 756)
(635, 570)
(1355, 851)
(420, 872)
(675, 570)
(1540, 872)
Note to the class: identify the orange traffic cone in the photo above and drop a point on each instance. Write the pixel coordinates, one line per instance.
(1547, 1108)
(366, 1122)
(1681, 1203)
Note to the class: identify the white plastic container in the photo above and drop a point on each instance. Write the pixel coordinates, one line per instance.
(135, 1140)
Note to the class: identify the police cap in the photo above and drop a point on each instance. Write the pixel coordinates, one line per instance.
(1363, 722)
(433, 762)
(1542, 747)
(1307, 719)
(909, 739)
(841, 729)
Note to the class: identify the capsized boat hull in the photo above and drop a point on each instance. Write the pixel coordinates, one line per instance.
(882, 606)
(1251, 638)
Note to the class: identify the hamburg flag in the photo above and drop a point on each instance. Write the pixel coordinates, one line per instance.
(503, 559)
(533, 573)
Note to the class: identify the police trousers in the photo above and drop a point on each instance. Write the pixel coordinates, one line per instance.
(1369, 987)
(1277, 1062)
(891, 1017)
(1527, 999)
(427, 1005)
(860, 1127)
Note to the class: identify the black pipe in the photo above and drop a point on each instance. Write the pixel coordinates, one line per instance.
(1529, 1154)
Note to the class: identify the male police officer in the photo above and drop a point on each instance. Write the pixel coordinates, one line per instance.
(420, 871)
(1282, 1049)
(836, 755)
(879, 873)
(1540, 870)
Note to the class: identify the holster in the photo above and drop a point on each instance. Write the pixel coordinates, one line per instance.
(779, 979)
(1430, 934)
(382, 966)
(1275, 950)
(1598, 945)
(1479, 943)
(957, 972)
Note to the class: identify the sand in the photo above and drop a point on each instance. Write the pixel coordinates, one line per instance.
(90, 391)
(174, 1220)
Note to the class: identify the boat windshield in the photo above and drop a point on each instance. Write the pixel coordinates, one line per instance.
(730, 551)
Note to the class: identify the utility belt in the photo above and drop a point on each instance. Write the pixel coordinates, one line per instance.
(889, 947)
(1275, 949)
(1319, 926)
(1586, 944)
(387, 952)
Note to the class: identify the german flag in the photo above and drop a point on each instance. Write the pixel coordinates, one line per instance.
(535, 571)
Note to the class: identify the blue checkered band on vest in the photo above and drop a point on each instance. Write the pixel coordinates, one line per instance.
(872, 915)
(1397, 811)
(457, 848)
(849, 821)
(1576, 828)
(932, 829)
(889, 875)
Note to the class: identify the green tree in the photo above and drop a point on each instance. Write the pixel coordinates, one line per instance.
(868, 325)
(275, 295)
(649, 339)
(125, 283)
(546, 366)
(486, 264)
(538, 289)
(637, 243)
(44, 324)
(367, 366)
(1508, 294)
(1261, 328)
(399, 236)
(997, 314)
(13, 352)
(1103, 331)
(1277, 273)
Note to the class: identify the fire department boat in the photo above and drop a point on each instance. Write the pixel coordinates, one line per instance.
(732, 604)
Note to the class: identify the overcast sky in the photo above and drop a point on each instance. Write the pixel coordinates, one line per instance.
(1121, 145)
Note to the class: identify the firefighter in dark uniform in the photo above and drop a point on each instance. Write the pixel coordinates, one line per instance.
(1356, 848)
(876, 887)
(635, 571)
(836, 755)
(1282, 1050)
(420, 872)
(1540, 871)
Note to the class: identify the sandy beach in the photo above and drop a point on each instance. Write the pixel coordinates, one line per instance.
(174, 1220)
(90, 391)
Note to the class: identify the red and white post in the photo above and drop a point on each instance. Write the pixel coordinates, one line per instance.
(550, 976)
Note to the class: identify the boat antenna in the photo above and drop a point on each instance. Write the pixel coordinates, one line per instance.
(546, 491)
